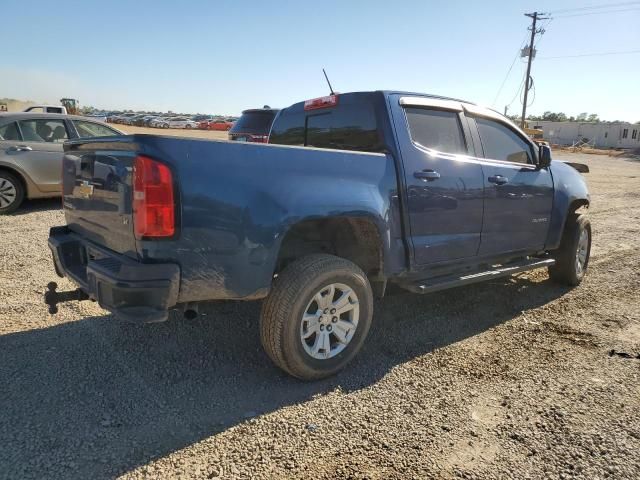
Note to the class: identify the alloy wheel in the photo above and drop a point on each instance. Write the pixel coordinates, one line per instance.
(329, 322)
(8, 193)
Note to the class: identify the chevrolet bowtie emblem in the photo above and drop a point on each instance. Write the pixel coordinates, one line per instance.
(85, 189)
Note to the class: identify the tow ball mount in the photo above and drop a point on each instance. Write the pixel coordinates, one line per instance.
(53, 298)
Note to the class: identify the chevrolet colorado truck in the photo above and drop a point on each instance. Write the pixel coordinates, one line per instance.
(354, 192)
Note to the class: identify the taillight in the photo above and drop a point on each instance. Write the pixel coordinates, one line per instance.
(322, 102)
(153, 202)
(260, 138)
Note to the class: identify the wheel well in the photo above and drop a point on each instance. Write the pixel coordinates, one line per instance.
(578, 206)
(19, 176)
(356, 239)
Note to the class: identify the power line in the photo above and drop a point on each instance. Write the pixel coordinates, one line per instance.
(509, 71)
(595, 7)
(517, 93)
(602, 54)
(597, 13)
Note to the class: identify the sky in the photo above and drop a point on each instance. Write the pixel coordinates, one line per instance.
(221, 57)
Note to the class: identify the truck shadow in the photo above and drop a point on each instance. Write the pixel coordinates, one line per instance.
(108, 397)
(38, 205)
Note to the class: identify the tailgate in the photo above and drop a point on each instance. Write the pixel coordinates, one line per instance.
(97, 192)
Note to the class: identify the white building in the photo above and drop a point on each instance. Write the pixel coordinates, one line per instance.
(611, 135)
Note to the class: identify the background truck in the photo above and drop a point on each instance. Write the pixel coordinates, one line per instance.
(355, 192)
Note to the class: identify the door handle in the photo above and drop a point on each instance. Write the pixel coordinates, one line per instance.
(20, 148)
(428, 175)
(498, 179)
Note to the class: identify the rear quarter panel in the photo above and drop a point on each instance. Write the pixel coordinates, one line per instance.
(239, 199)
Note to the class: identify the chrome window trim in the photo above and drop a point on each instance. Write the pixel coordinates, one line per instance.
(477, 111)
(489, 114)
(431, 102)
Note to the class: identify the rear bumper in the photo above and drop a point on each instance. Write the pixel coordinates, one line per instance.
(133, 291)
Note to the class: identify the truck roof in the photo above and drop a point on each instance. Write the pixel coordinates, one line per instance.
(469, 106)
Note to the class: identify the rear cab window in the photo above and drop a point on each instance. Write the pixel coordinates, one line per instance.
(351, 124)
(90, 129)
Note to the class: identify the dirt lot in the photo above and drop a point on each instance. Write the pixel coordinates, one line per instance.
(511, 379)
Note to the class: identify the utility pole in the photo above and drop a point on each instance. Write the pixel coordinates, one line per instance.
(535, 16)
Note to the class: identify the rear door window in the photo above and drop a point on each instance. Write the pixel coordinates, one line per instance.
(501, 143)
(91, 129)
(43, 130)
(436, 129)
(9, 132)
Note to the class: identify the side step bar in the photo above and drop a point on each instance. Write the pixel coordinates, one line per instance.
(442, 283)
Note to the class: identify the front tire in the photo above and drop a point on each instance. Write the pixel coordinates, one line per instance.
(572, 258)
(317, 316)
(11, 193)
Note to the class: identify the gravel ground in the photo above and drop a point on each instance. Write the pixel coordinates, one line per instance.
(510, 379)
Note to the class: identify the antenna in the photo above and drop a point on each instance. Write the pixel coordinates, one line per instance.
(330, 87)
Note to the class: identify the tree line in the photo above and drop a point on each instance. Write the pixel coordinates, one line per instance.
(561, 117)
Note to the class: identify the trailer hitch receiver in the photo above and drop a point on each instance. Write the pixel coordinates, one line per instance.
(52, 297)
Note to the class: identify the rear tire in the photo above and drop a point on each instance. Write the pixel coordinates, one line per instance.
(11, 193)
(572, 258)
(317, 316)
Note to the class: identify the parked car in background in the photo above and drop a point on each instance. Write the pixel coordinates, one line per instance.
(253, 125)
(142, 120)
(31, 153)
(138, 120)
(217, 124)
(201, 118)
(421, 192)
(98, 117)
(124, 118)
(178, 122)
(112, 117)
(148, 119)
(159, 122)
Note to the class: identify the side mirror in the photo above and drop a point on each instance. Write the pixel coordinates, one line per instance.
(544, 157)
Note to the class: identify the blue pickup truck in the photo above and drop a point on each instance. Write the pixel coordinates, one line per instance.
(354, 192)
